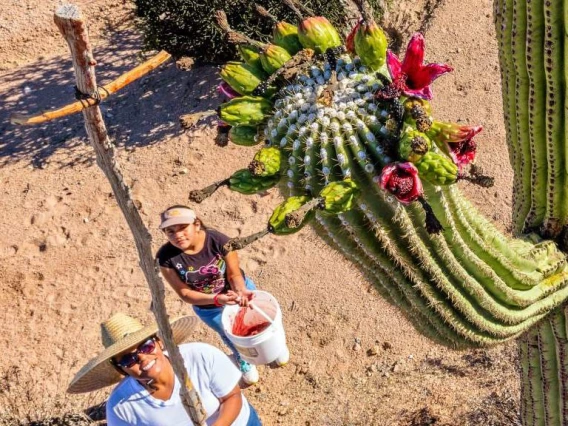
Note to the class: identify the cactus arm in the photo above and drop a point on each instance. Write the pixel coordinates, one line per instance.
(544, 370)
(470, 254)
(506, 263)
(405, 281)
(555, 139)
(482, 291)
(504, 18)
(558, 324)
(467, 255)
(466, 321)
(536, 104)
(534, 372)
(520, 100)
(553, 71)
(444, 276)
(526, 391)
(549, 368)
(523, 262)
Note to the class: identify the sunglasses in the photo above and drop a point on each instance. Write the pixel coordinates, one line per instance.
(128, 360)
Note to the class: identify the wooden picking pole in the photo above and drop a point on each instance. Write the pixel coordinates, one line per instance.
(104, 92)
(71, 24)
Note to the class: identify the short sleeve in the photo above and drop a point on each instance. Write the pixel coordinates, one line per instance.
(223, 374)
(164, 256)
(218, 241)
(112, 418)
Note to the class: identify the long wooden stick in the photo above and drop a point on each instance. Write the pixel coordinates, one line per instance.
(103, 93)
(71, 24)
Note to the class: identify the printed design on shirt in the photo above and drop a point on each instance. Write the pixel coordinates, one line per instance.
(209, 279)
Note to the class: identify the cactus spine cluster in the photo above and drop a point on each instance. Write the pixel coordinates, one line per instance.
(350, 136)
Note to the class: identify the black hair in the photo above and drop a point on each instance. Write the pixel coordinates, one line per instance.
(181, 206)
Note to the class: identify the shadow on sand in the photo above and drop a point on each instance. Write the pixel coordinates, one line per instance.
(143, 113)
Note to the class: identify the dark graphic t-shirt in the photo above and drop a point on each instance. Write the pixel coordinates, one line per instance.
(203, 271)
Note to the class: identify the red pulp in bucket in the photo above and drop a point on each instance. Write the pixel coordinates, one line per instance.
(244, 328)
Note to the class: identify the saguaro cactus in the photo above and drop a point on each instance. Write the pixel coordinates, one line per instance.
(350, 115)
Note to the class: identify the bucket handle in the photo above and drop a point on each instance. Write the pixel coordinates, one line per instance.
(261, 312)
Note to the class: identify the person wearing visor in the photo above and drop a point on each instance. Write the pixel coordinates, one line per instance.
(197, 266)
(147, 393)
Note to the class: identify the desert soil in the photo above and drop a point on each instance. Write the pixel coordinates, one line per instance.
(68, 261)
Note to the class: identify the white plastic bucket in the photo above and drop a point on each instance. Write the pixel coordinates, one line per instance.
(269, 344)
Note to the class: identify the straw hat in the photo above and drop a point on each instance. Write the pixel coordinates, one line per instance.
(119, 333)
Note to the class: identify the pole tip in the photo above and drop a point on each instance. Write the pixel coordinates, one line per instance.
(68, 11)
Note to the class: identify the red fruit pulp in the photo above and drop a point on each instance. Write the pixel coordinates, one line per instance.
(243, 329)
(400, 185)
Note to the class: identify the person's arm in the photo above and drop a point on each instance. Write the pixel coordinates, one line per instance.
(195, 297)
(230, 408)
(235, 277)
(224, 379)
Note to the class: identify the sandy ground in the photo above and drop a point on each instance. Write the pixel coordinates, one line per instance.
(68, 261)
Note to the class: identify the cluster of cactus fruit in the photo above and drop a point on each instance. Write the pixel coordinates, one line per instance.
(347, 131)
(315, 104)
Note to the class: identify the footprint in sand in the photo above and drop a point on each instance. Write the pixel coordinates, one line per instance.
(8, 251)
(276, 251)
(252, 265)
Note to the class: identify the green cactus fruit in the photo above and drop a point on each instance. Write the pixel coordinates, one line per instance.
(437, 169)
(318, 34)
(245, 111)
(244, 182)
(244, 136)
(266, 162)
(286, 35)
(251, 55)
(339, 196)
(242, 77)
(371, 45)
(273, 57)
(413, 145)
(282, 221)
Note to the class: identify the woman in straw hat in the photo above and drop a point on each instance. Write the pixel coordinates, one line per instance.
(203, 273)
(148, 390)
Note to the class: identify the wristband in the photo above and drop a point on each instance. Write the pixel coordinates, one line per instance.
(215, 301)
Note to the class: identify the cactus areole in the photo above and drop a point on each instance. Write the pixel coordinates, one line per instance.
(398, 214)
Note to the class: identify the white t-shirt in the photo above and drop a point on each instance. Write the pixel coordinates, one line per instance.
(213, 376)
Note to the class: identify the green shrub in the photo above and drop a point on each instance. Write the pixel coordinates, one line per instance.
(187, 27)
